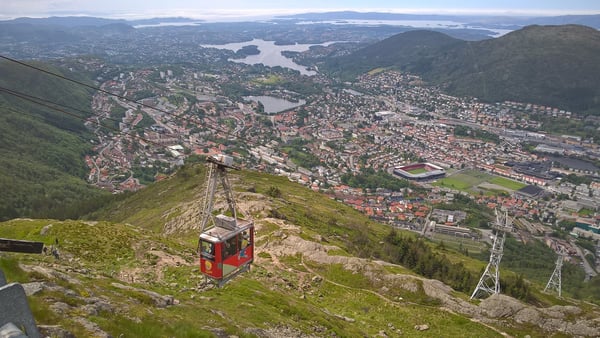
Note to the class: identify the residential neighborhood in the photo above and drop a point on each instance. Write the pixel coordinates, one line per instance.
(382, 121)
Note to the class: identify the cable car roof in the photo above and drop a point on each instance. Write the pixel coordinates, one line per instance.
(218, 234)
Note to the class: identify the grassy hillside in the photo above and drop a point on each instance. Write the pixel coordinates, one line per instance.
(42, 151)
(138, 274)
(128, 281)
(172, 206)
(551, 65)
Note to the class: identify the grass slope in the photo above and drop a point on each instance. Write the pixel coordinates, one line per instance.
(111, 274)
(97, 256)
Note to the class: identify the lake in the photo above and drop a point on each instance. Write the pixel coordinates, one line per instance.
(270, 54)
(275, 105)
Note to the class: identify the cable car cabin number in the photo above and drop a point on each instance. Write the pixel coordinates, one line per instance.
(227, 248)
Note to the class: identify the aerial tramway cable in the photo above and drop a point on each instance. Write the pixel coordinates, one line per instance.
(80, 83)
(32, 99)
(231, 239)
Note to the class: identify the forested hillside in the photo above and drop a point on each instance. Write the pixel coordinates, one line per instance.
(550, 65)
(42, 150)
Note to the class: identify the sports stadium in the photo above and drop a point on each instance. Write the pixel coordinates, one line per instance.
(420, 171)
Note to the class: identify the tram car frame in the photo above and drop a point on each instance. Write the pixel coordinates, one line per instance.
(226, 249)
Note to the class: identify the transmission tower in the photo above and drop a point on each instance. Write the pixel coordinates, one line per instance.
(556, 278)
(490, 280)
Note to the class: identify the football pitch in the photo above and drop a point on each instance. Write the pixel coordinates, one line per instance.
(469, 181)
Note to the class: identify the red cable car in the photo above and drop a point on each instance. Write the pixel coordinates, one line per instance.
(227, 247)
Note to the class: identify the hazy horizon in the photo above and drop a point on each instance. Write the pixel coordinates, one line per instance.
(263, 9)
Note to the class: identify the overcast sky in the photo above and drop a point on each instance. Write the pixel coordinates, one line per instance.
(238, 8)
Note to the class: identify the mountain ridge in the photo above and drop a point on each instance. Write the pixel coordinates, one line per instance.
(548, 65)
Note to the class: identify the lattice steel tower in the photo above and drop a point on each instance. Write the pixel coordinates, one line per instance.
(490, 280)
(556, 278)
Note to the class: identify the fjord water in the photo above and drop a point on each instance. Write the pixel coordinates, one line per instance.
(270, 54)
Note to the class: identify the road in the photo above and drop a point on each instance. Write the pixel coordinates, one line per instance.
(589, 271)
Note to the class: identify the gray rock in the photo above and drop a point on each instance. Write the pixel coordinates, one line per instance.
(96, 307)
(55, 331)
(2, 278)
(15, 309)
(528, 315)
(501, 306)
(10, 330)
(33, 288)
(582, 328)
(422, 327)
(60, 308)
(93, 328)
(45, 229)
(158, 299)
(90, 310)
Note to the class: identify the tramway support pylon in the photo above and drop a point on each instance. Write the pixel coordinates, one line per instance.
(489, 283)
(555, 282)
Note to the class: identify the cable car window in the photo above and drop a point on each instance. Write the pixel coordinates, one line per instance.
(230, 247)
(244, 240)
(208, 248)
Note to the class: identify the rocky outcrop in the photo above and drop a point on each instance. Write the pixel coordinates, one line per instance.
(496, 308)
(563, 319)
(159, 300)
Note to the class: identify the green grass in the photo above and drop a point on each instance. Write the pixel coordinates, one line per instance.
(257, 299)
(338, 252)
(376, 71)
(370, 314)
(266, 228)
(12, 270)
(458, 243)
(586, 212)
(454, 183)
(507, 183)
(468, 180)
(269, 80)
(294, 262)
(267, 296)
(417, 171)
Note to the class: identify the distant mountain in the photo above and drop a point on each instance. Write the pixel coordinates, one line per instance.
(352, 15)
(585, 20)
(82, 21)
(551, 65)
(66, 21)
(411, 50)
(59, 29)
(485, 21)
(19, 32)
(41, 150)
